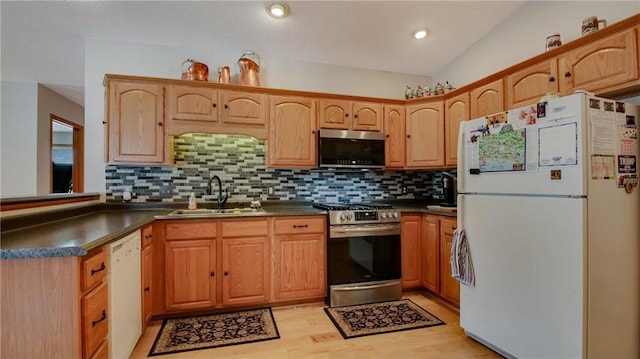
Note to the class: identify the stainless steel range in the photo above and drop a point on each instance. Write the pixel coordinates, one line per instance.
(363, 253)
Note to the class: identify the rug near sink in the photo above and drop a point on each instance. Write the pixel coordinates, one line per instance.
(215, 330)
(377, 318)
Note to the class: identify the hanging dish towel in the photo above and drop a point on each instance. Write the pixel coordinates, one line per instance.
(461, 263)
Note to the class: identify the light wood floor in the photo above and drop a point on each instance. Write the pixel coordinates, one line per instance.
(306, 332)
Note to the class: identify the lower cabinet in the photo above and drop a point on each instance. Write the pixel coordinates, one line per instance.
(147, 287)
(426, 249)
(94, 303)
(299, 247)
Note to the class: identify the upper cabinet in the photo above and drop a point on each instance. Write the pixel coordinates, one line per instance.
(241, 108)
(191, 103)
(425, 135)
(456, 110)
(600, 66)
(529, 85)
(349, 115)
(395, 130)
(292, 132)
(487, 99)
(135, 119)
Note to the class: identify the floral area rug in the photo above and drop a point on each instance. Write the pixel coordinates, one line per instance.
(377, 318)
(216, 330)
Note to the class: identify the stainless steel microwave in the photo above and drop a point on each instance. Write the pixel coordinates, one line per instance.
(350, 149)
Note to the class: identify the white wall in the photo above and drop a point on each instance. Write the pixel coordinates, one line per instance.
(523, 36)
(104, 57)
(18, 138)
(50, 103)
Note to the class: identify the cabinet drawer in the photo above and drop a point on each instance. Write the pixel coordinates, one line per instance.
(102, 352)
(95, 319)
(147, 236)
(245, 228)
(93, 269)
(447, 226)
(294, 225)
(190, 230)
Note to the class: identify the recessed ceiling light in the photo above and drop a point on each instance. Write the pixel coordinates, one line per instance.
(420, 34)
(278, 10)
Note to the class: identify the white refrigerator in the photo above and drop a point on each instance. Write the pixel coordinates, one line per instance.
(549, 203)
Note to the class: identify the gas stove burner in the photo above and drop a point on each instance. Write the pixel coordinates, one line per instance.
(352, 206)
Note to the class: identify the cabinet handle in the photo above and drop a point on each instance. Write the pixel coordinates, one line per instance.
(300, 226)
(212, 274)
(226, 106)
(214, 104)
(102, 267)
(313, 132)
(567, 74)
(552, 79)
(148, 236)
(102, 317)
(453, 228)
(226, 273)
(104, 122)
(159, 123)
(147, 289)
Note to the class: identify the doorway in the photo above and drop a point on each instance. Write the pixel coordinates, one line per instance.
(66, 156)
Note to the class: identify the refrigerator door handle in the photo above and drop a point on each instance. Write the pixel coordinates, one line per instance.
(460, 211)
(461, 158)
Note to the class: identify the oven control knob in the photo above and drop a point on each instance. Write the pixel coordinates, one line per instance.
(395, 214)
(349, 216)
(383, 215)
(343, 217)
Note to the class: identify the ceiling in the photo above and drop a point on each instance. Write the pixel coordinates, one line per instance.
(44, 41)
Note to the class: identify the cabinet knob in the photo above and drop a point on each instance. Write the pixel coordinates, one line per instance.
(226, 273)
(355, 116)
(567, 74)
(226, 106)
(148, 236)
(147, 289)
(104, 122)
(313, 132)
(408, 136)
(346, 114)
(212, 274)
(552, 79)
(214, 104)
(160, 123)
(387, 136)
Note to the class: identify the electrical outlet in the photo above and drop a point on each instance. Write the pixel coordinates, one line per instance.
(404, 189)
(270, 190)
(165, 191)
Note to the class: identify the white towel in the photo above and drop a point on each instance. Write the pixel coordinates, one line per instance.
(461, 264)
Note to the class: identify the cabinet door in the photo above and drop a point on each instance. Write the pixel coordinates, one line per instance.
(367, 116)
(190, 274)
(456, 110)
(410, 234)
(430, 253)
(487, 99)
(425, 135)
(611, 61)
(299, 263)
(449, 287)
(190, 103)
(245, 270)
(292, 132)
(147, 287)
(335, 114)
(240, 108)
(529, 85)
(135, 124)
(394, 144)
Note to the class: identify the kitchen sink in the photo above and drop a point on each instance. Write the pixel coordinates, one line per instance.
(203, 212)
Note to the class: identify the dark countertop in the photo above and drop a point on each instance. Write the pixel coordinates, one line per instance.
(85, 229)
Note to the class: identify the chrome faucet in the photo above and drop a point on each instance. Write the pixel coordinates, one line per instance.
(221, 199)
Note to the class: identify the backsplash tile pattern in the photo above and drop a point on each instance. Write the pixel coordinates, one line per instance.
(240, 162)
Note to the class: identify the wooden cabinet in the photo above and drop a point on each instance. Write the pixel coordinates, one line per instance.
(190, 274)
(94, 302)
(449, 287)
(299, 256)
(245, 261)
(529, 85)
(135, 119)
(395, 131)
(243, 108)
(425, 135)
(349, 115)
(599, 66)
(147, 287)
(292, 132)
(487, 99)
(456, 110)
(410, 239)
(191, 103)
(430, 252)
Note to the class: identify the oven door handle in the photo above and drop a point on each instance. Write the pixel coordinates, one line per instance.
(363, 232)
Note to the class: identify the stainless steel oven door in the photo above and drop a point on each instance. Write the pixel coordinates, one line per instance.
(364, 253)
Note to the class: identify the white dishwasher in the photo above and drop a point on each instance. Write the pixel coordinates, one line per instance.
(125, 320)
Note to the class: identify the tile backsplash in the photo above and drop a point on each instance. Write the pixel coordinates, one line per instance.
(240, 162)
